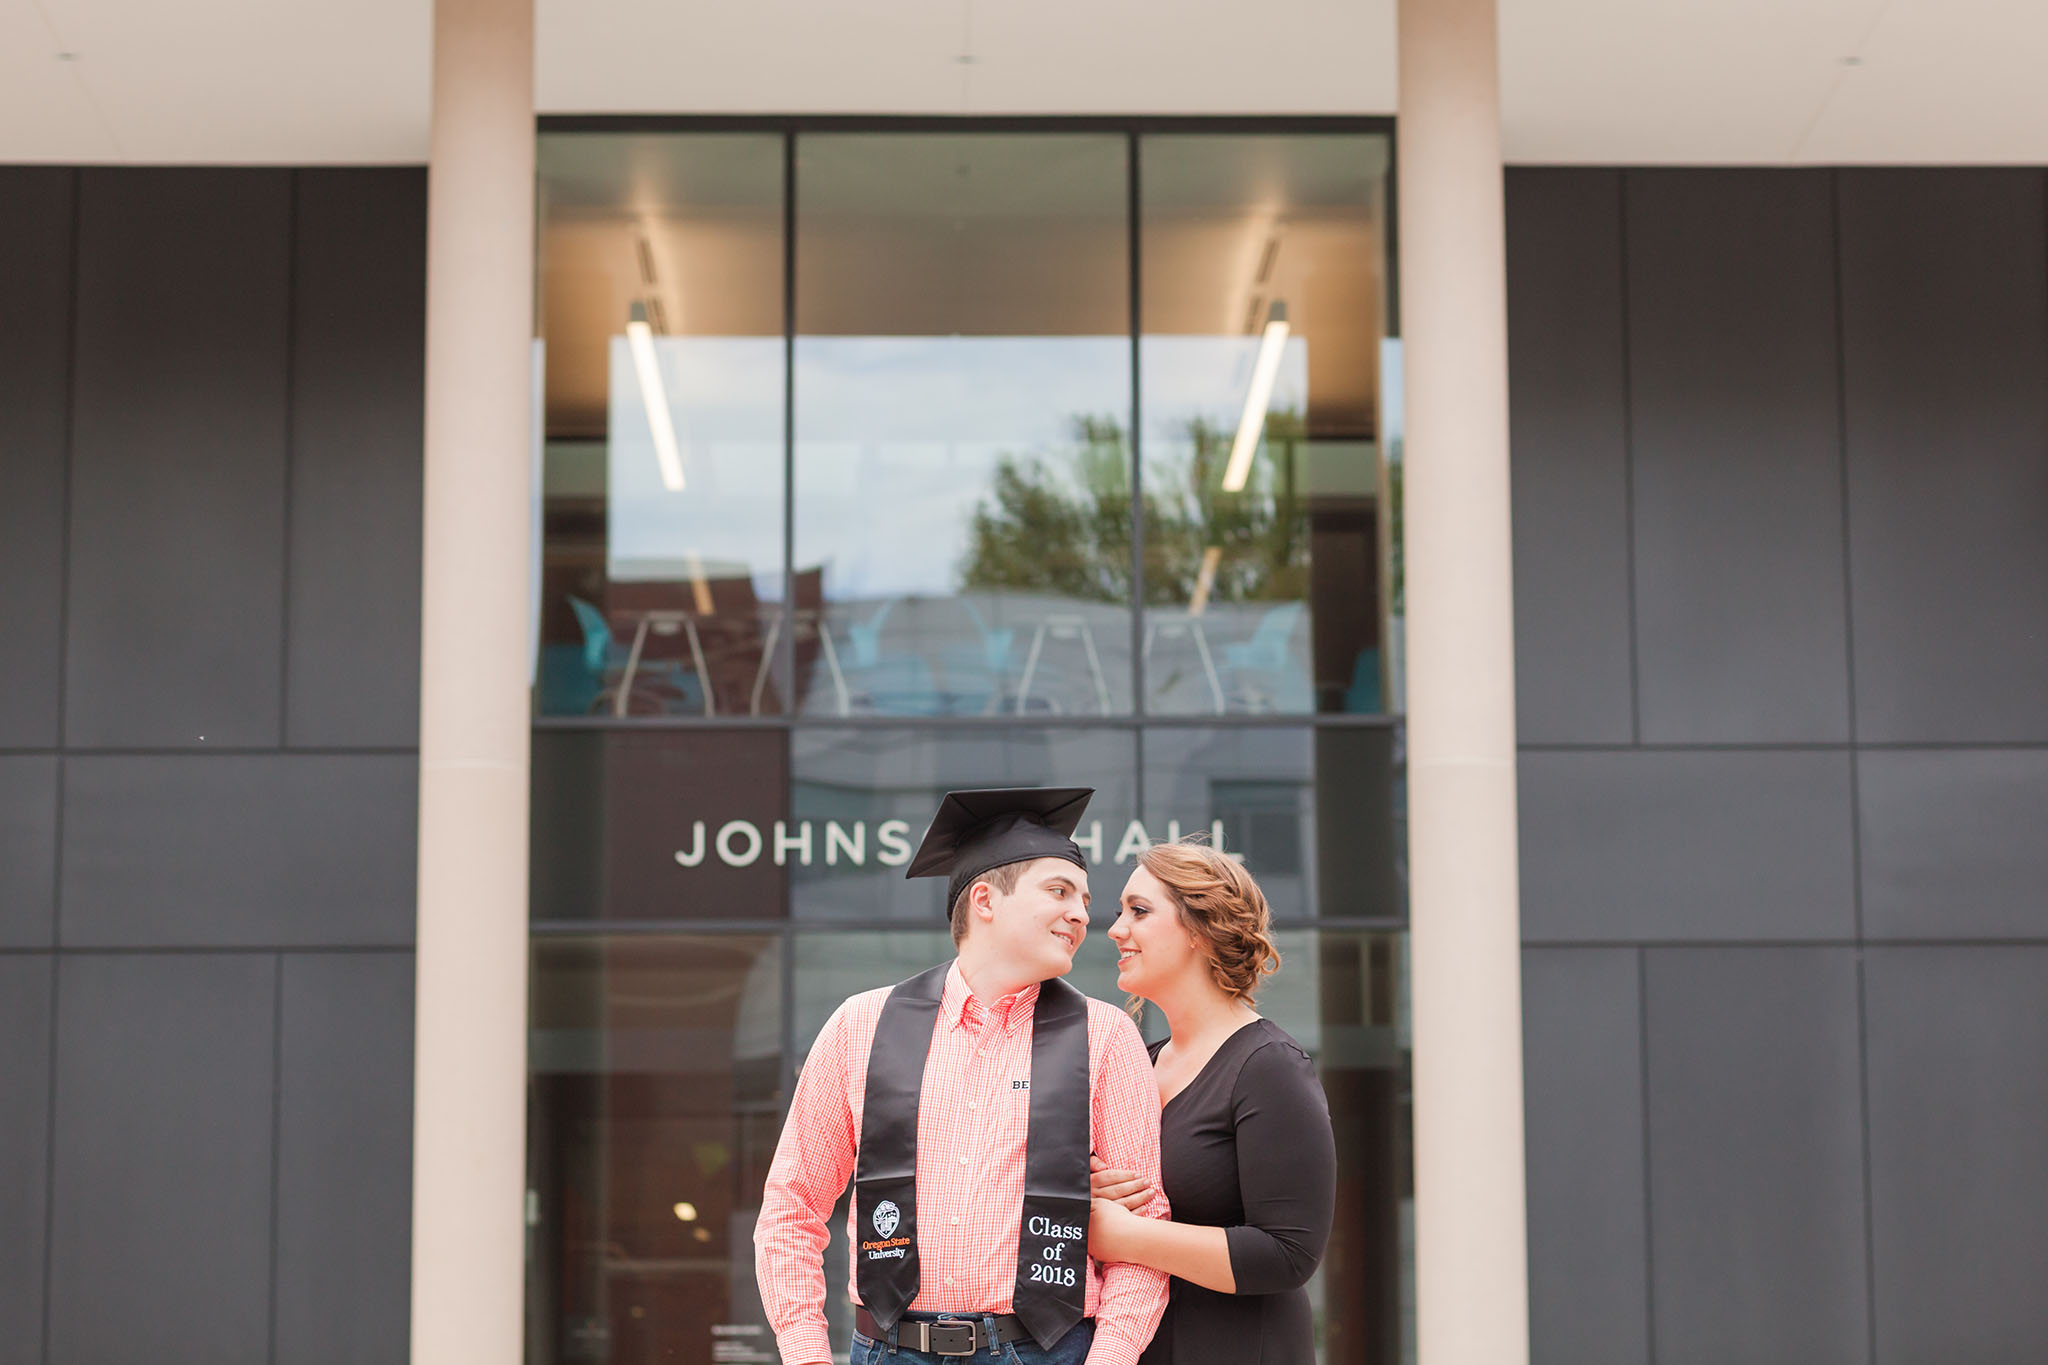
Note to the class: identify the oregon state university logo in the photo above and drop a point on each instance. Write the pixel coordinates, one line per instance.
(886, 1218)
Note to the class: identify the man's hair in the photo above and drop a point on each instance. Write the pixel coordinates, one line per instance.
(1003, 879)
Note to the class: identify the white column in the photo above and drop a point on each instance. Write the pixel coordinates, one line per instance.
(469, 1059)
(1471, 1256)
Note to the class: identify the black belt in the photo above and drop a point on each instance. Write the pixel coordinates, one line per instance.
(961, 1336)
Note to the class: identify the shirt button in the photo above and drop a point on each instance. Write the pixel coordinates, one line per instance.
(951, 1280)
(956, 1223)
(971, 1104)
(981, 1052)
(963, 1161)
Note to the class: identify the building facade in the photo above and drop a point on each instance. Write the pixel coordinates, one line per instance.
(878, 456)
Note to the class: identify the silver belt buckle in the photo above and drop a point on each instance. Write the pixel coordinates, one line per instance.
(950, 1338)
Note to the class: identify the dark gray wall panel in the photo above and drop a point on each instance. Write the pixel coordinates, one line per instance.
(1582, 1044)
(160, 1245)
(358, 375)
(344, 1213)
(1756, 1157)
(239, 849)
(1955, 843)
(1569, 409)
(174, 629)
(24, 1152)
(1649, 845)
(1740, 628)
(1945, 362)
(1958, 1126)
(35, 344)
(28, 851)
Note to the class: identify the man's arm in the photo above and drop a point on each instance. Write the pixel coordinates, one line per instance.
(813, 1161)
(1125, 1103)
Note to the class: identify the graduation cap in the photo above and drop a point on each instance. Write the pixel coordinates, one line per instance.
(978, 831)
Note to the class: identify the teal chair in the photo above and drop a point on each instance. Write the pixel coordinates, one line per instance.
(604, 665)
(895, 683)
(1363, 697)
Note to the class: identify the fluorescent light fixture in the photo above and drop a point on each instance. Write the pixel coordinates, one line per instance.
(700, 586)
(1205, 580)
(1252, 425)
(640, 340)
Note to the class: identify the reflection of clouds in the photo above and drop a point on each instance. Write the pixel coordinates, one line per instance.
(898, 439)
(726, 397)
(897, 442)
(1205, 377)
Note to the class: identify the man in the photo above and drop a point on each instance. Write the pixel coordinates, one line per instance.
(964, 1103)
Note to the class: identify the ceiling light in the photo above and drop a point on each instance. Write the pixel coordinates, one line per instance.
(686, 1212)
(700, 586)
(1205, 580)
(640, 340)
(1252, 426)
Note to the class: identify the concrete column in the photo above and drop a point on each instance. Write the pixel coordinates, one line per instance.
(1470, 1211)
(469, 1079)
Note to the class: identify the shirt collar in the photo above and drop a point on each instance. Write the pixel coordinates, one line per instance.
(960, 1007)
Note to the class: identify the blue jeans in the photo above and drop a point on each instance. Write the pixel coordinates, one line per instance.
(1071, 1349)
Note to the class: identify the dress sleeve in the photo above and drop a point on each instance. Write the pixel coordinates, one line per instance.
(1286, 1170)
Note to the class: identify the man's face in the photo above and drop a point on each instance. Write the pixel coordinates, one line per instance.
(1039, 926)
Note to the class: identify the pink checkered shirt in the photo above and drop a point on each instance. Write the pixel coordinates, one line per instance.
(971, 1128)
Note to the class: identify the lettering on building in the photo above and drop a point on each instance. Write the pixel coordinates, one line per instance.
(845, 843)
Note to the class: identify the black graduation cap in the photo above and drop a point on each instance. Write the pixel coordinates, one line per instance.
(977, 831)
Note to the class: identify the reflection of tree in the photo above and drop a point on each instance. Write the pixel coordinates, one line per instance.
(1069, 534)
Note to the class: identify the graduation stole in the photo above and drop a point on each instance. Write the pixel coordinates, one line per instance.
(1052, 1246)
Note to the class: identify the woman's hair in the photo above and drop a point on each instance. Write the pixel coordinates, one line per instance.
(1224, 909)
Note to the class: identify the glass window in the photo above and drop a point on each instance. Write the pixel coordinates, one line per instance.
(672, 824)
(811, 562)
(659, 1070)
(655, 1102)
(963, 398)
(1316, 814)
(1266, 500)
(872, 791)
(661, 319)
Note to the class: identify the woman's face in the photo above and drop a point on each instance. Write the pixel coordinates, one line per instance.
(1155, 953)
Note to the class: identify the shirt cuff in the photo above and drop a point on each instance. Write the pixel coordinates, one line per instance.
(1112, 1347)
(804, 1343)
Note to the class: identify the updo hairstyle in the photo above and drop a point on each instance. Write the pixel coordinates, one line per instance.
(1224, 909)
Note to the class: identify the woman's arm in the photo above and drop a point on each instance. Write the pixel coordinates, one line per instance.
(1198, 1254)
(1287, 1179)
(1286, 1171)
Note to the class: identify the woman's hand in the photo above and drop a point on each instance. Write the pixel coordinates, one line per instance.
(1127, 1188)
(1108, 1229)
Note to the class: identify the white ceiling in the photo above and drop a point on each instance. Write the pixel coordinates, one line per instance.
(1595, 81)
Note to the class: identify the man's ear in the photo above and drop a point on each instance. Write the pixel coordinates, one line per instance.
(981, 902)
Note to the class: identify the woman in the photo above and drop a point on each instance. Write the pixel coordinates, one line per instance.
(1246, 1153)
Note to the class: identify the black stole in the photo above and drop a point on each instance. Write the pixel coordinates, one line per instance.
(1052, 1246)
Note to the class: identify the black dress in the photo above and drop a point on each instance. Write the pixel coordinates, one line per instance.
(1247, 1147)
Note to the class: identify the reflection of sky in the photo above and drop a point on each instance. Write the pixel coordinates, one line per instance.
(725, 397)
(897, 441)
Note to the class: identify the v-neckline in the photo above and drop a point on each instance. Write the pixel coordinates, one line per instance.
(1203, 1070)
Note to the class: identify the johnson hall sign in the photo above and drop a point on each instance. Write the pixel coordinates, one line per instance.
(742, 843)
